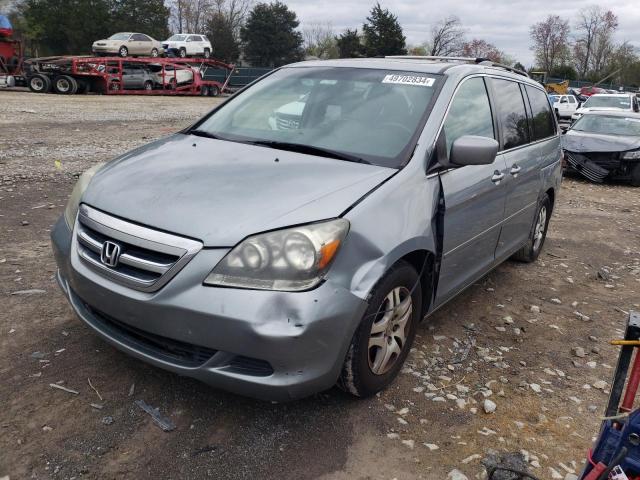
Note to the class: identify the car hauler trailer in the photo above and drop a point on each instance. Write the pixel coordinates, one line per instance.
(10, 55)
(125, 76)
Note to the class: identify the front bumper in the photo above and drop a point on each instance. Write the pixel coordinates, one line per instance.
(269, 345)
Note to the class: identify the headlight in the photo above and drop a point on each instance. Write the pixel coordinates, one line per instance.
(292, 259)
(634, 155)
(73, 203)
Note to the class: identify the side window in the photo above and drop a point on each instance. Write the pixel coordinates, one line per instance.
(511, 112)
(470, 112)
(543, 123)
(564, 100)
(572, 99)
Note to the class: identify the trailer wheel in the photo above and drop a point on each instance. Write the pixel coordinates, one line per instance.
(183, 53)
(114, 85)
(39, 84)
(123, 51)
(214, 91)
(83, 85)
(204, 91)
(65, 85)
(207, 53)
(148, 85)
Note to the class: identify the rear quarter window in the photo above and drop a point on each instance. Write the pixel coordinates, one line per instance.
(543, 123)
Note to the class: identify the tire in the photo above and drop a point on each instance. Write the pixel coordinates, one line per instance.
(182, 53)
(214, 91)
(65, 85)
(114, 85)
(635, 175)
(204, 91)
(39, 84)
(83, 85)
(123, 51)
(154, 52)
(531, 250)
(148, 85)
(365, 371)
(207, 53)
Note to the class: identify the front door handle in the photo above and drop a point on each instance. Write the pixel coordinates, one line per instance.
(515, 170)
(497, 177)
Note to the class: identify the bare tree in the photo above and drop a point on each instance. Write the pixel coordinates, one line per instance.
(550, 42)
(594, 43)
(319, 40)
(234, 11)
(478, 48)
(447, 37)
(194, 15)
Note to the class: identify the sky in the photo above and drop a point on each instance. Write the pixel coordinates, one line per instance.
(505, 23)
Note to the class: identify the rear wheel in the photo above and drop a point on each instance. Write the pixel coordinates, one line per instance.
(381, 343)
(635, 175)
(154, 52)
(148, 85)
(65, 85)
(530, 251)
(214, 91)
(40, 84)
(204, 91)
(114, 85)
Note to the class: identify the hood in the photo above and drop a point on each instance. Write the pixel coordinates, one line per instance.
(581, 142)
(220, 192)
(598, 109)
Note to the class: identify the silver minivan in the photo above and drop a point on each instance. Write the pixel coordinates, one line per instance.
(277, 262)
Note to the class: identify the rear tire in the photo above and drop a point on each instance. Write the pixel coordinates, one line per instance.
(40, 84)
(204, 91)
(531, 250)
(635, 175)
(383, 339)
(154, 52)
(65, 85)
(214, 91)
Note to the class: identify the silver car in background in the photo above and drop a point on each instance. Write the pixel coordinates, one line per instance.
(277, 262)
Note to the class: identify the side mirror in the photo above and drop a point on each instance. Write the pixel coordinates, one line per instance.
(473, 150)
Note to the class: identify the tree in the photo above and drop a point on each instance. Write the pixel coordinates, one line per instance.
(224, 44)
(383, 34)
(594, 43)
(447, 37)
(417, 50)
(270, 37)
(349, 44)
(147, 16)
(478, 48)
(519, 66)
(319, 40)
(550, 42)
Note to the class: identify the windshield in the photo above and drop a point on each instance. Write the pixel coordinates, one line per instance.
(120, 36)
(608, 125)
(609, 102)
(177, 38)
(373, 115)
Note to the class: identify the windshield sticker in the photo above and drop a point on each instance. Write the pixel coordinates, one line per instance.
(409, 80)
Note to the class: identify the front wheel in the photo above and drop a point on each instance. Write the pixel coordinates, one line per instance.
(530, 251)
(182, 53)
(154, 52)
(381, 343)
(123, 51)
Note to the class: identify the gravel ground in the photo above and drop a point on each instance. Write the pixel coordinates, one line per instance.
(530, 339)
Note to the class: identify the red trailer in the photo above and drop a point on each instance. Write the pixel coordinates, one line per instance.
(10, 54)
(125, 76)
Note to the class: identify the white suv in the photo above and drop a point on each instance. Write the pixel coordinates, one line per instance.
(187, 44)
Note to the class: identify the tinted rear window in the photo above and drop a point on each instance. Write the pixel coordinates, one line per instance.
(511, 112)
(543, 123)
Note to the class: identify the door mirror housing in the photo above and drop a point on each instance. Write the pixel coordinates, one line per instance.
(473, 150)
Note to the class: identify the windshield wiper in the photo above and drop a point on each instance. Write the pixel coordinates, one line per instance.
(310, 149)
(205, 134)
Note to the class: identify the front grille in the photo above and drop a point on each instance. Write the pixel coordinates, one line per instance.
(177, 352)
(287, 122)
(587, 167)
(608, 160)
(250, 366)
(147, 259)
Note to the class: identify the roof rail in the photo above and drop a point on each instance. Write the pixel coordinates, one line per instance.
(477, 61)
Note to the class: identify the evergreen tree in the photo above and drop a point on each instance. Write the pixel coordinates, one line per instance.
(383, 34)
(223, 41)
(144, 16)
(349, 45)
(269, 36)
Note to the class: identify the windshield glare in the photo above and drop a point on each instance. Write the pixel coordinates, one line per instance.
(609, 102)
(370, 114)
(177, 38)
(608, 125)
(120, 36)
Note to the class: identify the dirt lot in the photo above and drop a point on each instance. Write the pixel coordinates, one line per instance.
(520, 324)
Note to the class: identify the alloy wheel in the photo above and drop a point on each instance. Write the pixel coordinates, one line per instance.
(389, 330)
(538, 232)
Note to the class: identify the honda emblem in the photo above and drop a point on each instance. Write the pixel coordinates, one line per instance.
(110, 254)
